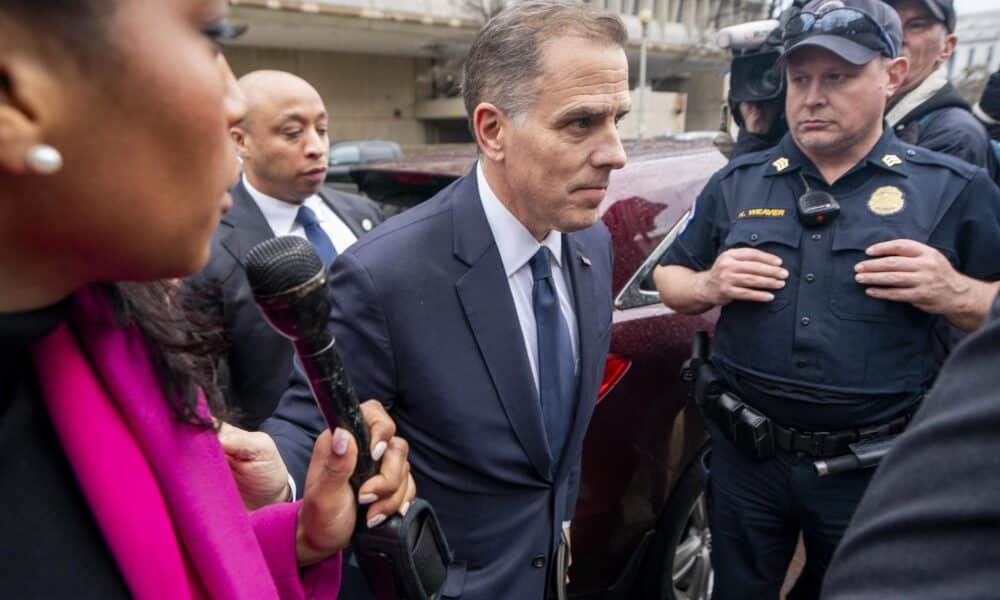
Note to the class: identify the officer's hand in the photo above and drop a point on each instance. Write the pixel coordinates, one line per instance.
(392, 488)
(256, 466)
(741, 274)
(908, 271)
(758, 116)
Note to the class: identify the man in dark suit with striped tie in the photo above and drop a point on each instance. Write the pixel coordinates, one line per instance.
(284, 146)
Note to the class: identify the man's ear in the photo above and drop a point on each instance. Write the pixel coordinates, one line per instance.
(490, 125)
(240, 140)
(897, 71)
(949, 46)
(22, 93)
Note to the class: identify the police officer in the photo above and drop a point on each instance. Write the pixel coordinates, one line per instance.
(829, 254)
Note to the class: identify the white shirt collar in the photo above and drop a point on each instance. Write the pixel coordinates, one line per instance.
(280, 215)
(514, 241)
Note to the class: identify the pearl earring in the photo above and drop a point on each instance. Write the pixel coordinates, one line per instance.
(44, 159)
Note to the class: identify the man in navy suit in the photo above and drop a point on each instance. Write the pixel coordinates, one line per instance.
(481, 318)
(284, 146)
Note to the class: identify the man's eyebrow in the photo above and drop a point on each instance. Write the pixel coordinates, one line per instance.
(583, 112)
(299, 117)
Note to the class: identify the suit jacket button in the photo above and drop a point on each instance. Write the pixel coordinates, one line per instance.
(538, 562)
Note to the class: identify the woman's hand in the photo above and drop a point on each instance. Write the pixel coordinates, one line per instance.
(329, 507)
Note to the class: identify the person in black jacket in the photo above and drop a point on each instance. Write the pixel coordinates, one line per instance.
(927, 110)
(988, 108)
(927, 527)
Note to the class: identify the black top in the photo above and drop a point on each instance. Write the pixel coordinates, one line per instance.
(51, 545)
(945, 123)
(929, 524)
(823, 354)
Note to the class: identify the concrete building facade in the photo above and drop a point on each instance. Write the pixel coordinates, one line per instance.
(391, 69)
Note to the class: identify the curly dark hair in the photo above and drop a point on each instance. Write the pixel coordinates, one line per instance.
(183, 335)
(185, 342)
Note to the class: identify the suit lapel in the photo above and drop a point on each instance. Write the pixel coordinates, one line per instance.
(489, 308)
(582, 278)
(249, 227)
(343, 212)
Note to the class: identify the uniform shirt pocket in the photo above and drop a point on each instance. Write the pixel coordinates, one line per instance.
(775, 235)
(848, 299)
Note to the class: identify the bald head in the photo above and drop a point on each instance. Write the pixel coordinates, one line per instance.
(283, 137)
(266, 91)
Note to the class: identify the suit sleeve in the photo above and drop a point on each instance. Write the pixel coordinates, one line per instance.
(573, 489)
(575, 474)
(927, 526)
(274, 526)
(362, 331)
(361, 334)
(206, 290)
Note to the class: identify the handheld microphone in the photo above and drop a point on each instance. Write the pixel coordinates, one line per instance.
(745, 36)
(406, 557)
(288, 281)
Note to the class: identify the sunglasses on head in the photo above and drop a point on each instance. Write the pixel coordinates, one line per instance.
(850, 23)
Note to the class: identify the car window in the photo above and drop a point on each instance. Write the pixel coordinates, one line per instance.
(380, 152)
(345, 155)
(640, 290)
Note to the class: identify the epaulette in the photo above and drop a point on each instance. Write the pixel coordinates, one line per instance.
(923, 156)
(746, 160)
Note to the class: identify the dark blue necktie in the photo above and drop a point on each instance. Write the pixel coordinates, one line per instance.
(315, 234)
(556, 367)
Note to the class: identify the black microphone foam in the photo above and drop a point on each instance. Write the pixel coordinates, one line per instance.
(279, 264)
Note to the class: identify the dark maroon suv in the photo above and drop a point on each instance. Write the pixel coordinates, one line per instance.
(640, 529)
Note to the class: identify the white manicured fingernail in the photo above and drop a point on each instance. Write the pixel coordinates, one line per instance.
(340, 441)
(405, 507)
(375, 521)
(379, 450)
(367, 499)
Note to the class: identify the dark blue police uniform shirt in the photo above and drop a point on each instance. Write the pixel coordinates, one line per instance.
(823, 354)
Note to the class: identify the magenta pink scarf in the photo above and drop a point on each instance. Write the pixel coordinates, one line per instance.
(161, 490)
(115, 476)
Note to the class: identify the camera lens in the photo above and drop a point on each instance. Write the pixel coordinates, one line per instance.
(764, 83)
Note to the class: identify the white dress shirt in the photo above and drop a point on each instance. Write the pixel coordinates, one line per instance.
(281, 215)
(517, 246)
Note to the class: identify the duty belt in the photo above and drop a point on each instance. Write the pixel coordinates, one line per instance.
(756, 434)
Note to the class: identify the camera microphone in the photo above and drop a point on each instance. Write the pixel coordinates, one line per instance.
(746, 36)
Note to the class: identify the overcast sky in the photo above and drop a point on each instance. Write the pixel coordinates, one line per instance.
(972, 6)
